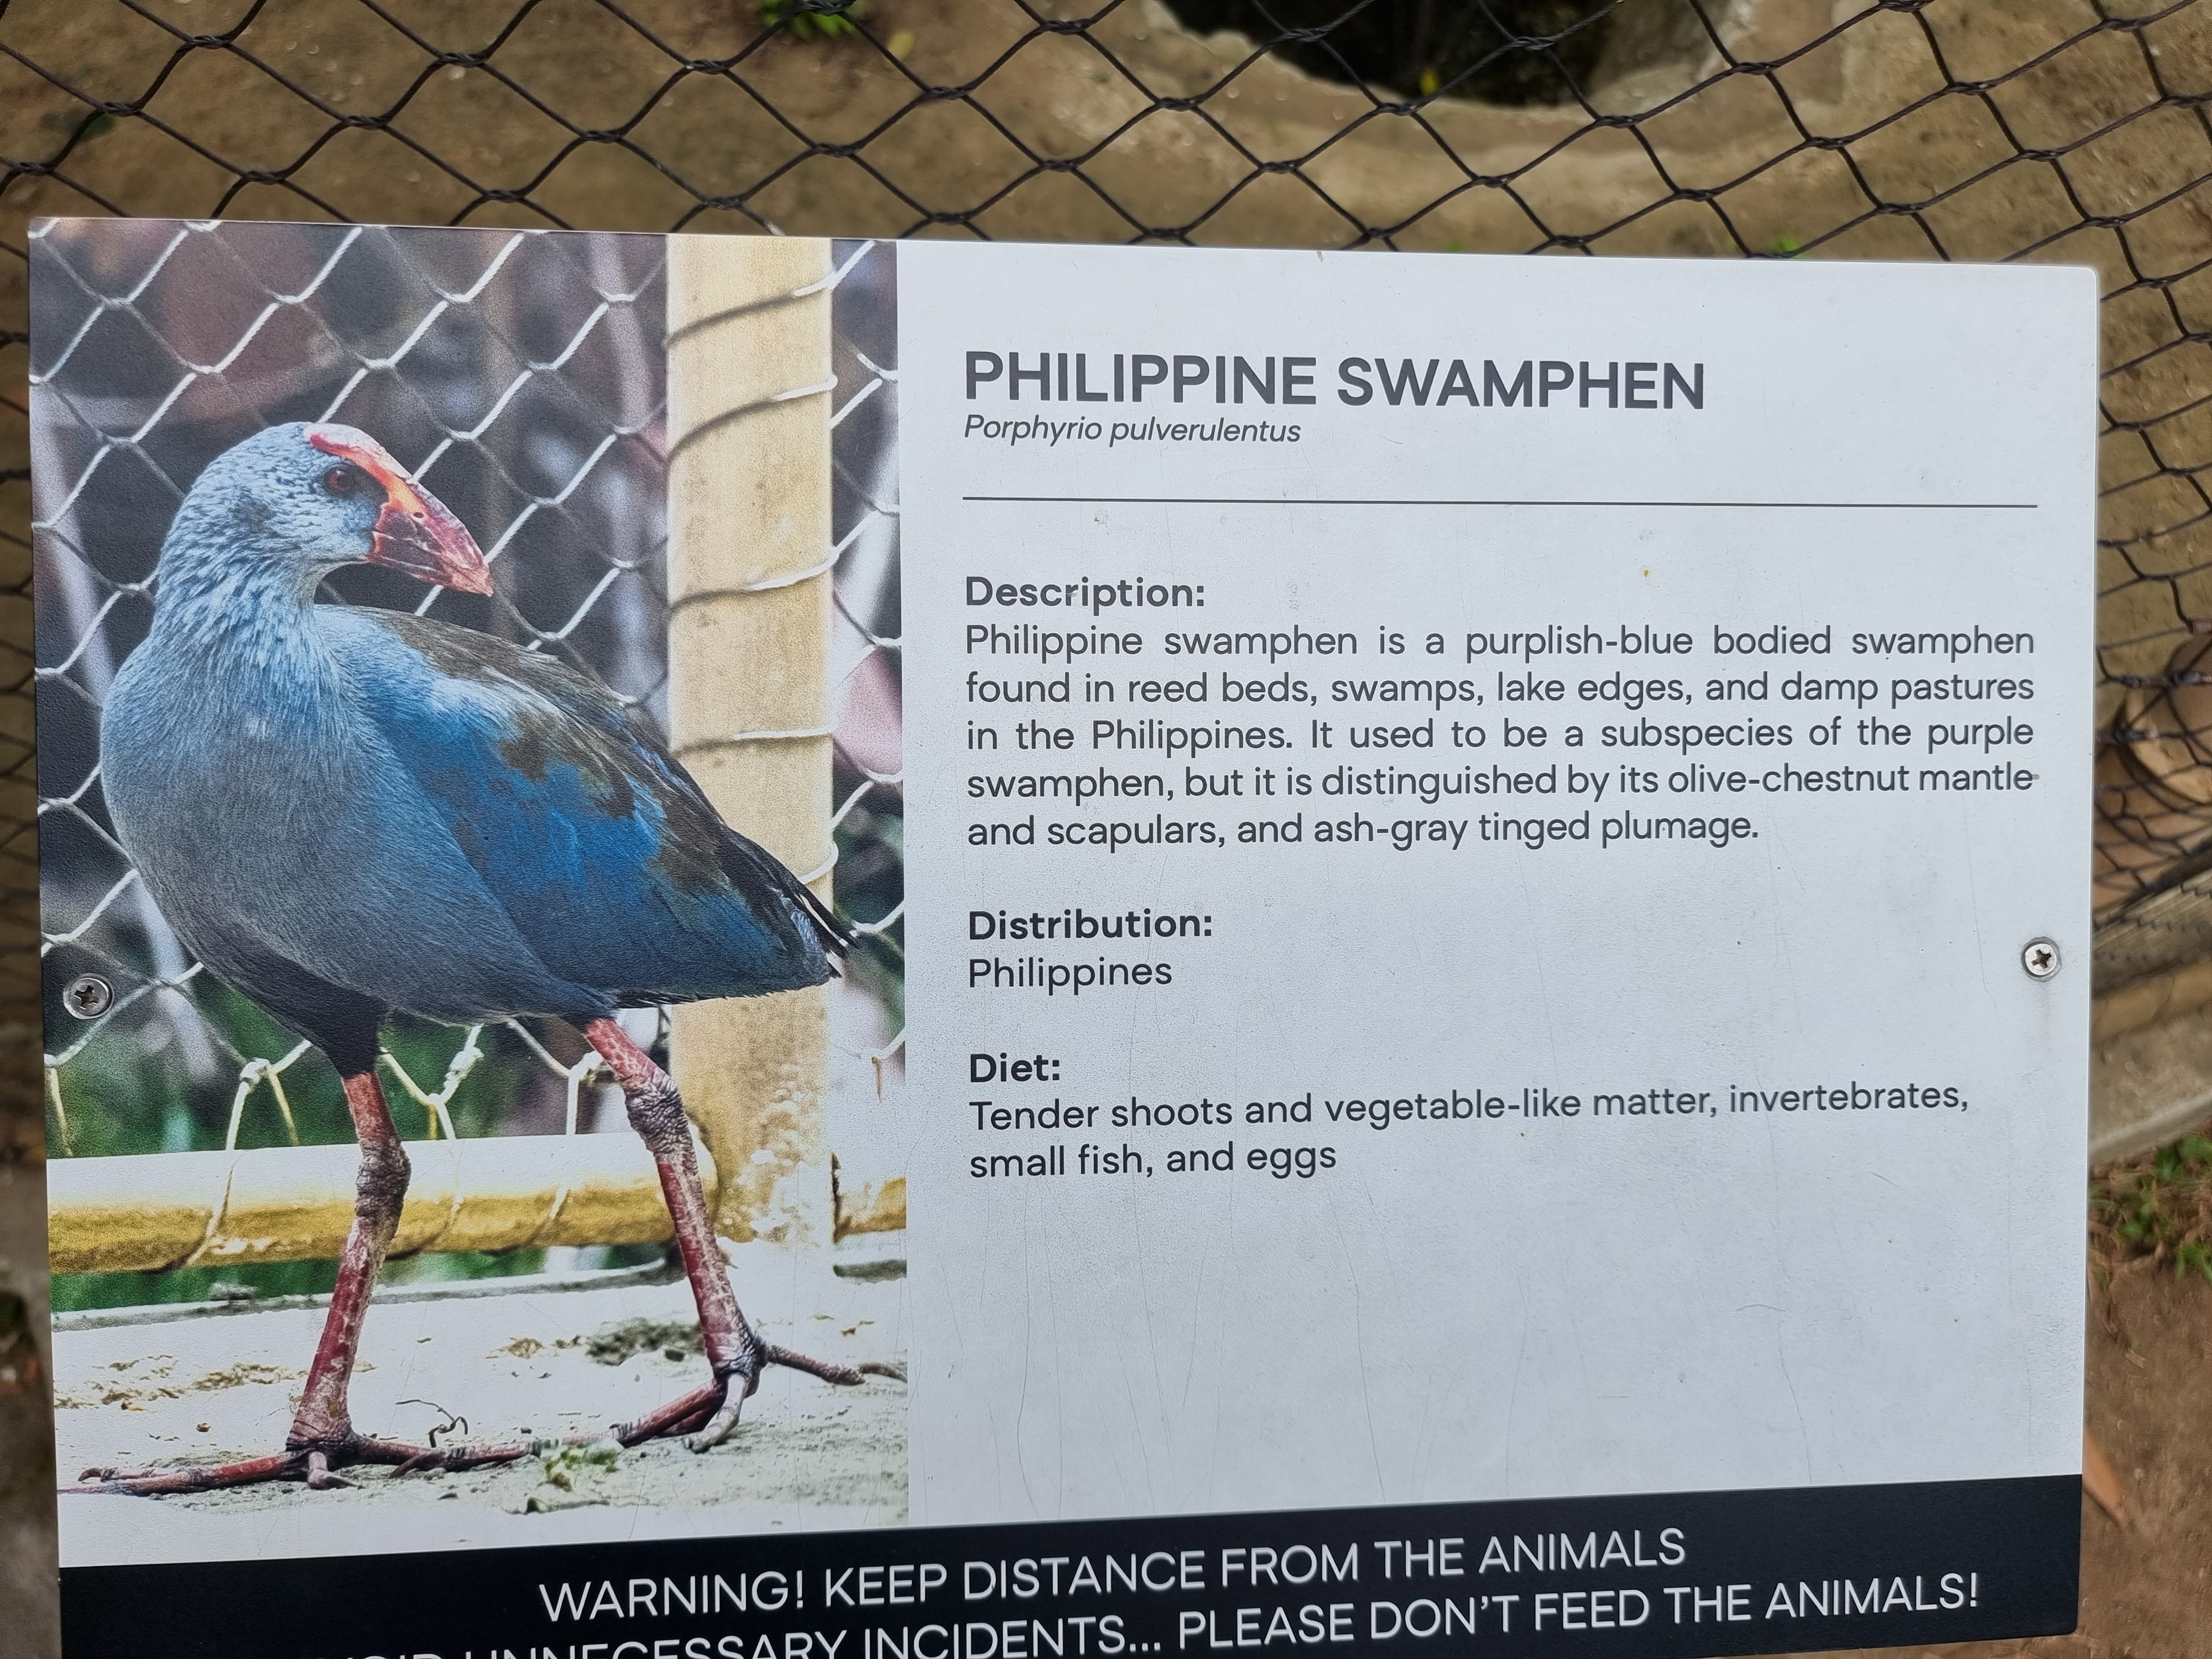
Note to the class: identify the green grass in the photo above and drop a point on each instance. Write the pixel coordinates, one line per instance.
(802, 23)
(2158, 1206)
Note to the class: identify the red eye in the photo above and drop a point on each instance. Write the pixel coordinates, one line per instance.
(341, 481)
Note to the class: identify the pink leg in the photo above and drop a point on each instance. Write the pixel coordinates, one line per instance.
(323, 1441)
(322, 1437)
(322, 1420)
(736, 1355)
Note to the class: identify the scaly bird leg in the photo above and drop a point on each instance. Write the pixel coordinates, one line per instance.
(322, 1420)
(322, 1439)
(736, 1355)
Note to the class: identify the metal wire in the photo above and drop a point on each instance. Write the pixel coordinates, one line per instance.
(2053, 129)
(520, 376)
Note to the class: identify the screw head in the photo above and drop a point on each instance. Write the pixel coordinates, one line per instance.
(89, 996)
(2038, 958)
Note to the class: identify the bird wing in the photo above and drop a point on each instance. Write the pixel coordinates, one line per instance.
(602, 849)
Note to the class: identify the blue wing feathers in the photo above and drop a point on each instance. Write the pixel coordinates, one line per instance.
(602, 850)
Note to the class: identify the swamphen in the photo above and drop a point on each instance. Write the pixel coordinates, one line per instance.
(345, 813)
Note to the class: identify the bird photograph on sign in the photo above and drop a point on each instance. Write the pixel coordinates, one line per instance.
(483, 1033)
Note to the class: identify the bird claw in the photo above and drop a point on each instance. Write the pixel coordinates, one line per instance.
(205, 1477)
(842, 1376)
(454, 1457)
(719, 1426)
(707, 1416)
(731, 1400)
(319, 1478)
(317, 1465)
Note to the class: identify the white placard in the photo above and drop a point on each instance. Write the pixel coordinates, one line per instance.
(1624, 721)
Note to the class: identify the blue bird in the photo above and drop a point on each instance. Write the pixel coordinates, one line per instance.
(348, 813)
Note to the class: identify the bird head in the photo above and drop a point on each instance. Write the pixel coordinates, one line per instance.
(307, 499)
(412, 533)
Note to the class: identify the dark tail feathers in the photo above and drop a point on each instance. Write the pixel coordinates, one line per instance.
(780, 899)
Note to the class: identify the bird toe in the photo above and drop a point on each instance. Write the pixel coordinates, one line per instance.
(719, 1426)
(320, 1477)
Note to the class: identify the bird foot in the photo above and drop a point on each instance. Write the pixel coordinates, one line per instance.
(316, 1464)
(707, 1415)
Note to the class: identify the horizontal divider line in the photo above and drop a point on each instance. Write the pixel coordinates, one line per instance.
(1388, 501)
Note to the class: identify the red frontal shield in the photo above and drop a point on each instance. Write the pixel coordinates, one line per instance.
(415, 533)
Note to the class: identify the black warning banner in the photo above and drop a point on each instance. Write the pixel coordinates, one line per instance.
(1622, 1577)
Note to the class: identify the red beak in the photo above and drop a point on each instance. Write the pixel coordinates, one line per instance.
(415, 533)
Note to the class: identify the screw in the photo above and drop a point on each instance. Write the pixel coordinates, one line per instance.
(89, 996)
(2040, 957)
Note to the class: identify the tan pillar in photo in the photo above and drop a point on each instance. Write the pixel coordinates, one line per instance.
(748, 657)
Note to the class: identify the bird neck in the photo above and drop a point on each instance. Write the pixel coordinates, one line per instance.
(241, 616)
(220, 580)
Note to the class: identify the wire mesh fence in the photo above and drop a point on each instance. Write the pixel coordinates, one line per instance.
(2072, 130)
(520, 377)
(514, 377)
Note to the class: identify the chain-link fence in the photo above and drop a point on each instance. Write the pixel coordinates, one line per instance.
(2051, 129)
(2072, 130)
(518, 381)
(521, 377)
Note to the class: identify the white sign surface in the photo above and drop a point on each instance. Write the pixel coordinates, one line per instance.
(1480, 867)
(1475, 824)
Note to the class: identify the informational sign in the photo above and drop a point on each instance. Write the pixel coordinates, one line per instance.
(1456, 1013)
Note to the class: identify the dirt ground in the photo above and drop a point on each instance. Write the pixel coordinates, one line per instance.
(2145, 1587)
